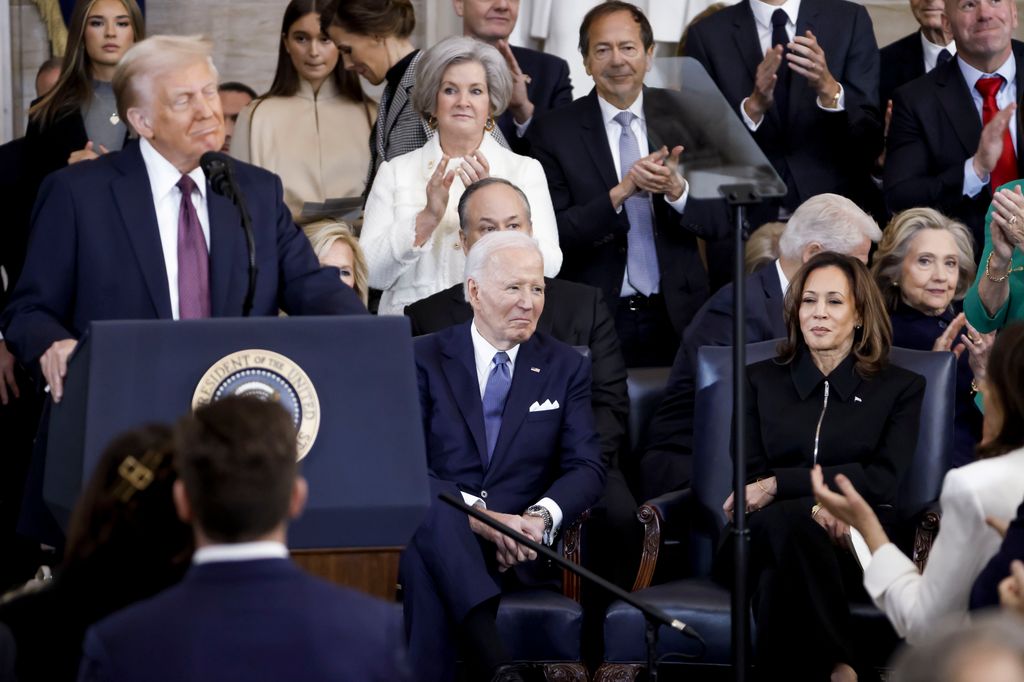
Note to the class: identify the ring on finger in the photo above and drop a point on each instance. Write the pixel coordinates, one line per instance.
(1012, 220)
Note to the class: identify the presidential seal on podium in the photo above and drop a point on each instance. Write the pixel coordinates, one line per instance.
(269, 376)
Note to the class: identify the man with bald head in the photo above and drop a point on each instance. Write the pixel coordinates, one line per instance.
(509, 428)
(955, 135)
(141, 234)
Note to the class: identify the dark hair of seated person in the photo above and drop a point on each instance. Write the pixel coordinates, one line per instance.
(871, 343)
(237, 460)
(1002, 388)
(125, 544)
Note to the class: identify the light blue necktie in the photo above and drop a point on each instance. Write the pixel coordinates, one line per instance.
(495, 395)
(641, 257)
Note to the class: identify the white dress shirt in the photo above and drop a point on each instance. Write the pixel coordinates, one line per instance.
(915, 602)
(763, 21)
(483, 356)
(613, 130)
(240, 551)
(163, 180)
(931, 52)
(1007, 94)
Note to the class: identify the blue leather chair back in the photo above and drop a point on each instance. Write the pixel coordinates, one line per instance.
(712, 466)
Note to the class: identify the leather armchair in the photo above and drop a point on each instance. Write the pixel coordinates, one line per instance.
(705, 605)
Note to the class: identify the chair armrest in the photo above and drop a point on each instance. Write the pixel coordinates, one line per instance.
(925, 530)
(572, 551)
(655, 515)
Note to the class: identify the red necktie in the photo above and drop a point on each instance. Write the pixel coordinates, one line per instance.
(1006, 167)
(193, 258)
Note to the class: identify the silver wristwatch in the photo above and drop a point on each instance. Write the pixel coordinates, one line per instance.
(549, 535)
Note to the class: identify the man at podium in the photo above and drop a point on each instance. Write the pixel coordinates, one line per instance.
(141, 234)
(508, 424)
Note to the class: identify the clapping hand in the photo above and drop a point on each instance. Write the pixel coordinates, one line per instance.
(519, 104)
(763, 96)
(805, 57)
(438, 186)
(658, 173)
(87, 153)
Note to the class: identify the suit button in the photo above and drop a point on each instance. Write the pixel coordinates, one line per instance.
(483, 494)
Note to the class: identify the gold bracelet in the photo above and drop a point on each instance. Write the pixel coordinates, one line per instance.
(815, 509)
(761, 487)
(988, 270)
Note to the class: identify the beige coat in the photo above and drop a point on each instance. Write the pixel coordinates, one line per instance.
(319, 145)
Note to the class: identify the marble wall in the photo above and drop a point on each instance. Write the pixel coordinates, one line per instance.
(245, 33)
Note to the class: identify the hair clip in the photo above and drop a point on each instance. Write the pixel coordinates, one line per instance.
(136, 474)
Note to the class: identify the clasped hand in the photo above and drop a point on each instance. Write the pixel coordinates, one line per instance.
(657, 173)
(759, 495)
(510, 552)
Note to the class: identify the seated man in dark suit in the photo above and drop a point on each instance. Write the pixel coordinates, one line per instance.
(509, 426)
(139, 234)
(827, 222)
(575, 314)
(540, 81)
(955, 135)
(244, 611)
(915, 55)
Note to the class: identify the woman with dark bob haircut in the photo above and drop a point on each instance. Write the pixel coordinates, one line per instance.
(991, 487)
(125, 544)
(830, 399)
(312, 125)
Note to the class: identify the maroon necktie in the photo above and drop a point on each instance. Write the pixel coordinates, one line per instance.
(193, 258)
(1006, 167)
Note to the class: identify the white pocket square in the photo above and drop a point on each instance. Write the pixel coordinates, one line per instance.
(544, 406)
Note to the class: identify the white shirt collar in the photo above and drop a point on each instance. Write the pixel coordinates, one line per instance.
(163, 176)
(483, 354)
(783, 280)
(1008, 70)
(609, 111)
(240, 551)
(931, 51)
(763, 12)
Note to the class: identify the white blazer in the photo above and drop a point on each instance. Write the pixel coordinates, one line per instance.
(915, 602)
(407, 273)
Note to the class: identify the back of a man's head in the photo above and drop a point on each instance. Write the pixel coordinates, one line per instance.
(834, 223)
(237, 460)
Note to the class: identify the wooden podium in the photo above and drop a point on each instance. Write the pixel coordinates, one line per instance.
(373, 570)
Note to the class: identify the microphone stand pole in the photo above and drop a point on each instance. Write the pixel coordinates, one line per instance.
(655, 617)
(739, 197)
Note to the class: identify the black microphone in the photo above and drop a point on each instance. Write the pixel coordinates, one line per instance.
(218, 168)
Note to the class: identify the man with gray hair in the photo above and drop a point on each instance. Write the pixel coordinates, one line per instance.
(826, 222)
(508, 427)
(140, 234)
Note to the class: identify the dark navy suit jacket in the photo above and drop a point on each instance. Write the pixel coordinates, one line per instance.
(549, 88)
(822, 151)
(901, 62)
(666, 462)
(935, 129)
(249, 620)
(553, 453)
(95, 254)
(575, 315)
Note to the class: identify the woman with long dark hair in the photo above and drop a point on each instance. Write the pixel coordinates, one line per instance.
(832, 399)
(125, 543)
(77, 120)
(312, 125)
